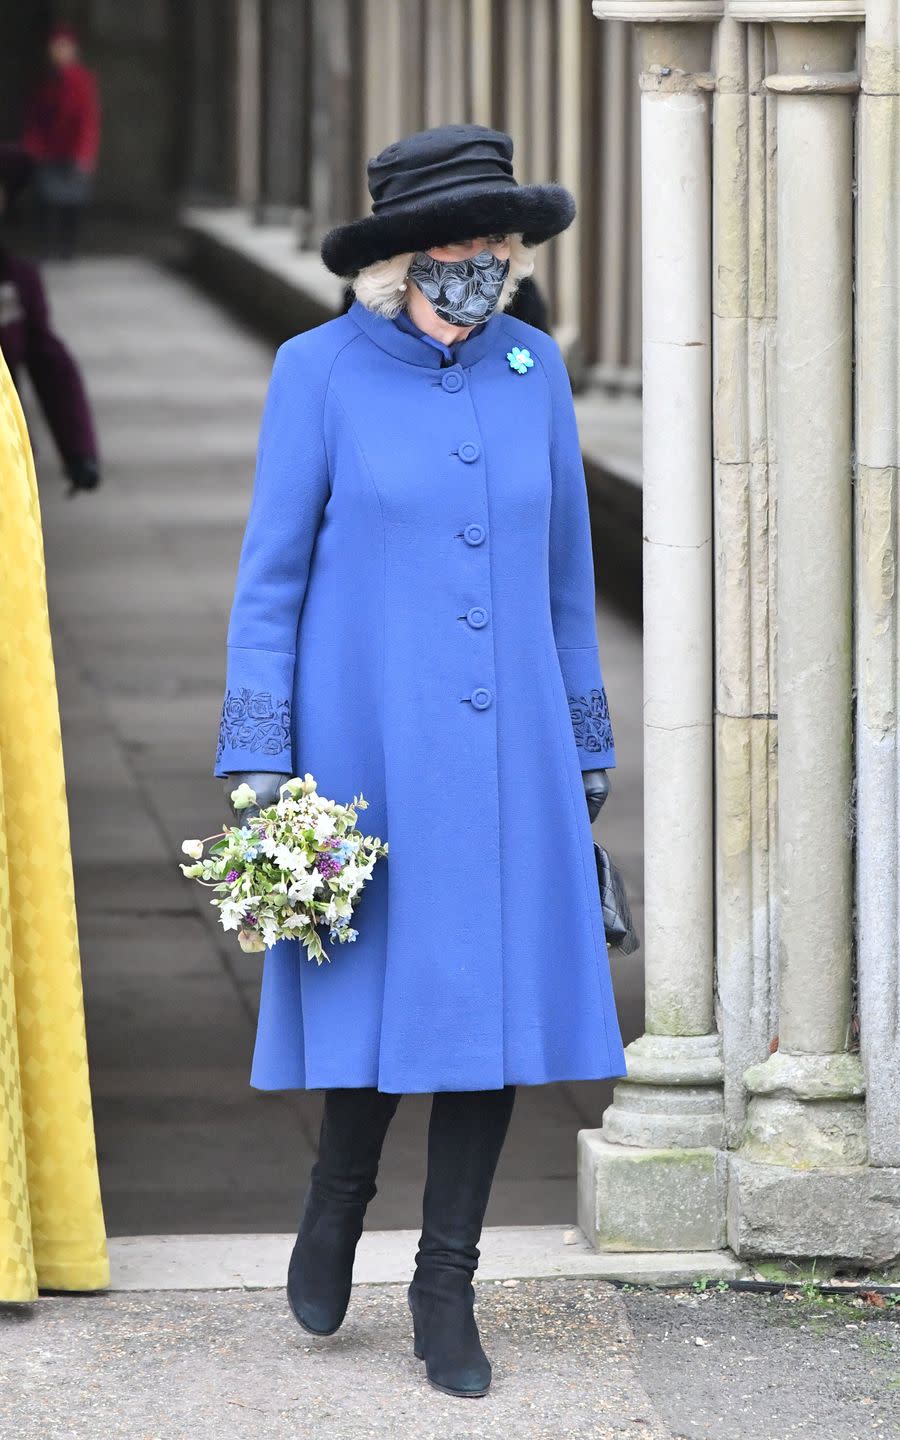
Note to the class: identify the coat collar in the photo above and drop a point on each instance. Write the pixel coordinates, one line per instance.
(387, 336)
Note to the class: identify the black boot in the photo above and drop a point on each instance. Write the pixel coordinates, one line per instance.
(342, 1182)
(465, 1137)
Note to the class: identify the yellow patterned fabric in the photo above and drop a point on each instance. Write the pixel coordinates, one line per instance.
(51, 1219)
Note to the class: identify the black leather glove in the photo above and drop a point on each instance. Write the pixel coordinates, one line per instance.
(596, 789)
(265, 783)
(83, 473)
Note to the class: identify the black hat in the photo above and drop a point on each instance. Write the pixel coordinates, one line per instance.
(444, 184)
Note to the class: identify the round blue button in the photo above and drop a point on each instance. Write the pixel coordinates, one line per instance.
(469, 451)
(474, 534)
(452, 381)
(477, 617)
(481, 698)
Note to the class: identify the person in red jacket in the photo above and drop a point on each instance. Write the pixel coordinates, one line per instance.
(62, 134)
(29, 343)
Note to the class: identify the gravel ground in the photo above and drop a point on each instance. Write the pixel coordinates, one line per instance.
(734, 1366)
(234, 1365)
(572, 1358)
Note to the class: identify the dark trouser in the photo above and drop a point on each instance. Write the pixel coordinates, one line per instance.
(62, 192)
(59, 228)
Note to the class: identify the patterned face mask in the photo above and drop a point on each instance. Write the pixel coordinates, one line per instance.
(462, 292)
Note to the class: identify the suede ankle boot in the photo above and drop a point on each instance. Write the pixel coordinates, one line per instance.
(465, 1136)
(342, 1182)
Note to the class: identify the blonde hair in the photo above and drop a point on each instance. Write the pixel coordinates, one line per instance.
(382, 287)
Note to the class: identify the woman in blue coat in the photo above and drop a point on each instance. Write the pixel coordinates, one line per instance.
(414, 620)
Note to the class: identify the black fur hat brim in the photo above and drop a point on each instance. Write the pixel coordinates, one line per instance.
(538, 212)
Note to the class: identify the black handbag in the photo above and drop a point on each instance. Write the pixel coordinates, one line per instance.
(617, 922)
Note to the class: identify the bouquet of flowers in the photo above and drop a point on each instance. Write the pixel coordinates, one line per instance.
(292, 868)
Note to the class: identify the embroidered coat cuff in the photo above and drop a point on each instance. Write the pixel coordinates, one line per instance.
(588, 708)
(255, 723)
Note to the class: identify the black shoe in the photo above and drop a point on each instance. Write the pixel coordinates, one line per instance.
(445, 1334)
(465, 1136)
(342, 1182)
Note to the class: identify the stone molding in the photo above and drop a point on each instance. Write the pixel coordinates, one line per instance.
(664, 12)
(823, 82)
(806, 12)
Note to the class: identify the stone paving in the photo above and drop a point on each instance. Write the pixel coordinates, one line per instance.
(140, 578)
(571, 1358)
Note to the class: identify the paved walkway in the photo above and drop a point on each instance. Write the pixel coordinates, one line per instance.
(140, 579)
(571, 1359)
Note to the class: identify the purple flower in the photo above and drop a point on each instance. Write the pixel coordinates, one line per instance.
(250, 919)
(327, 865)
(232, 876)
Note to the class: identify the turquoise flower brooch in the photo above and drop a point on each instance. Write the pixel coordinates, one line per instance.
(519, 360)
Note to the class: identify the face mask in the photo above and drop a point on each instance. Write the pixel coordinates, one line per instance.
(462, 292)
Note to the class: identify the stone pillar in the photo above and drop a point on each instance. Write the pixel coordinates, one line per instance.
(285, 106)
(744, 515)
(806, 1109)
(334, 171)
(569, 88)
(248, 78)
(878, 444)
(480, 61)
(208, 169)
(445, 61)
(653, 1177)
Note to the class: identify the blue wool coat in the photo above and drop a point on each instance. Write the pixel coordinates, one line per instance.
(414, 619)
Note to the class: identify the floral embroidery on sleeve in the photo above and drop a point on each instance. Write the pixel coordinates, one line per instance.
(252, 721)
(591, 722)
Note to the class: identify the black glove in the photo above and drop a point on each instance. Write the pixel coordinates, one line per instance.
(266, 785)
(596, 789)
(83, 472)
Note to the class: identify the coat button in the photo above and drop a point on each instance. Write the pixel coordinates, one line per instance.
(477, 617)
(452, 381)
(474, 534)
(481, 698)
(469, 451)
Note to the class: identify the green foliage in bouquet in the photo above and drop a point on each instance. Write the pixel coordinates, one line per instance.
(293, 868)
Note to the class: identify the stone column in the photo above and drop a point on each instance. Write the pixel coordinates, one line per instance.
(878, 445)
(285, 106)
(210, 105)
(569, 89)
(445, 61)
(806, 1109)
(480, 61)
(653, 1177)
(334, 173)
(744, 513)
(248, 75)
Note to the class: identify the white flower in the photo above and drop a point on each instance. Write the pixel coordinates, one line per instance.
(324, 826)
(304, 887)
(194, 848)
(243, 797)
(230, 913)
